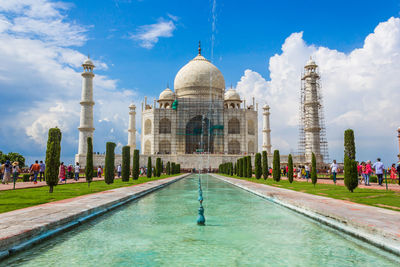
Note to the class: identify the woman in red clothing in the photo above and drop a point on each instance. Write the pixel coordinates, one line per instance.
(393, 172)
(61, 172)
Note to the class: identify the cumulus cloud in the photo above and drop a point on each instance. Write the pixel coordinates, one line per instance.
(148, 35)
(40, 82)
(360, 91)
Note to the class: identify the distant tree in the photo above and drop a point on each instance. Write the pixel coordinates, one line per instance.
(350, 173)
(135, 165)
(173, 168)
(53, 158)
(178, 168)
(158, 167)
(290, 168)
(109, 168)
(245, 166)
(257, 166)
(276, 172)
(149, 167)
(12, 156)
(249, 167)
(89, 161)
(313, 169)
(168, 168)
(265, 171)
(349, 144)
(126, 163)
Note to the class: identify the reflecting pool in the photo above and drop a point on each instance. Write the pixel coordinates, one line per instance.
(241, 229)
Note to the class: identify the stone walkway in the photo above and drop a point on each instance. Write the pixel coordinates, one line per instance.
(23, 228)
(377, 226)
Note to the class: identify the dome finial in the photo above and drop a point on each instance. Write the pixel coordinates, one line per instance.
(167, 84)
(199, 48)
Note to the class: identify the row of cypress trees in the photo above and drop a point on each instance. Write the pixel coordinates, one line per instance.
(226, 168)
(171, 168)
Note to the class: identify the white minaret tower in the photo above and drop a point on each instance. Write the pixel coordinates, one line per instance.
(86, 128)
(311, 102)
(132, 128)
(266, 130)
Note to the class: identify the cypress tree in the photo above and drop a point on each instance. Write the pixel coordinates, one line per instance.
(135, 165)
(158, 167)
(244, 166)
(349, 144)
(231, 166)
(173, 168)
(109, 168)
(168, 168)
(89, 161)
(265, 171)
(276, 172)
(234, 168)
(249, 167)
(257, 166)
(179, 168)
(149, 167)
(126, 163)
(313, 169)
(290, 168)
(350, 173)
(53, 158)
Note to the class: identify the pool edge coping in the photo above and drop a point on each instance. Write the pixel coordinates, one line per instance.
(380, 241)
(74, 220)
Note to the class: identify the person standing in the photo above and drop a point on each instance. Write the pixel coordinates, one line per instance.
(77, 171)
(41, 171)
(379, 170)
(35, 169)
(99, 172)
(393, 172)
(7, 172)
(119, 170)
(307, 169)
(61, 173)
(16, 170)
(334, 169)
(367, 170)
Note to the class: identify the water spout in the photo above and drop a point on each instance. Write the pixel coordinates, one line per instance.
(201, 220)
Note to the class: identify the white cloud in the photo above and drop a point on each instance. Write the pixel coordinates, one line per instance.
(360, 91)
(148, 35)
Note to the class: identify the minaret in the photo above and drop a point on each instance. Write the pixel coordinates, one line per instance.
(86, 125)
(132, 128)
(311, 102)
(266, 130)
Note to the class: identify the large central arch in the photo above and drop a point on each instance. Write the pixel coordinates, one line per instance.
(198, 137)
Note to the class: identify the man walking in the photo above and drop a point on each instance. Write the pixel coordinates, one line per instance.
(379, 169)
(35, 169)
(334, 169)
(119, 170)
(41, 171)
(77, 170)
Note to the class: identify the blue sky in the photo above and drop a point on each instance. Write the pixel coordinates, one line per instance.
(139, 46)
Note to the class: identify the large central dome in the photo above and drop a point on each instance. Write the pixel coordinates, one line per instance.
(199, 79)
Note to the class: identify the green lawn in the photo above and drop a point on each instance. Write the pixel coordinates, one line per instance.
(373, 197)
(22, 198)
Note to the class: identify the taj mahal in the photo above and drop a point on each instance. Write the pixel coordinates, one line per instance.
(199, 123)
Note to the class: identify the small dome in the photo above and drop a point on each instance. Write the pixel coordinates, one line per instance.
(88, 62)
(266, 106)
(167, 94)
(310, 63)
(232, 94)
(197, 78)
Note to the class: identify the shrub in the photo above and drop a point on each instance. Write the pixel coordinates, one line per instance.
(265, 171)
(53, 157)
(244, 165)
(135, 165)
(313, 169)
(290, 168)
(173, 168)
(149, 167)
(178, 169)
(158, 167)
(126, 163)
(26, 177)
(109, 168)
(257, 166)
(276, 172)
(89, 162)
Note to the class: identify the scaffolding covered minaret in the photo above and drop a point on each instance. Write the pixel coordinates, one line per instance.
(312, 124)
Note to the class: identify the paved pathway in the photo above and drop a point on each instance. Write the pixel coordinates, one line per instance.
(19, 226)
(379, 226)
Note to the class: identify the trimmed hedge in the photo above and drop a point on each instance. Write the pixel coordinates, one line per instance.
(313, 169)
(257, 166)
(149, 168)
(265, 171)
(135, 165)
(290, 168)
(276, 172)
(89, 162)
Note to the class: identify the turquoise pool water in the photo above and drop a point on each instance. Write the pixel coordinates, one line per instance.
(242, 229)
